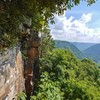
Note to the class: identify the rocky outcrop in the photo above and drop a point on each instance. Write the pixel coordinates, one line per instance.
(11, 74)
(31, 67)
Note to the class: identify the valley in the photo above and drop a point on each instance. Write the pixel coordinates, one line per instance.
(81, 50)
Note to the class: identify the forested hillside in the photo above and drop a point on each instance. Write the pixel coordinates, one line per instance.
(63, 77)
(93, 52)
(69, 46)
(81, 50)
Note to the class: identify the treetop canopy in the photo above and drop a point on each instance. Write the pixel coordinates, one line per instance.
(14, 12)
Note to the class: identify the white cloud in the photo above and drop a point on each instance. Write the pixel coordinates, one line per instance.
(86, 18)
(70, 29)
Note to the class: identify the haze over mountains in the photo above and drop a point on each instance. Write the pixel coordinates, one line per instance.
(93, 52)
(71, 47)
(83, 46)
(81, 50)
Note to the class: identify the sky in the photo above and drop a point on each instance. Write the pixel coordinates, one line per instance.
(80, 24)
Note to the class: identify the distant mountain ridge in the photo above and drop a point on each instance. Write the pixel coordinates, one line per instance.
(69, 46)
(93, 52)
(81, 50)
(83, 46)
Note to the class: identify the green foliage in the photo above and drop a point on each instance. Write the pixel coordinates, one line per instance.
(47, 43)
(21, 96)
(48, 89)
(15, 12)
(64, 77)
(8, 40)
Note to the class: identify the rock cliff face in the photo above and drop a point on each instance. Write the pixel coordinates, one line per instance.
(11, 74)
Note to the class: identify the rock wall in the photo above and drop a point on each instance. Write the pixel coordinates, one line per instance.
(11, 74)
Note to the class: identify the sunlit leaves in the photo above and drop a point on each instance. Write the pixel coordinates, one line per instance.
(74, 79)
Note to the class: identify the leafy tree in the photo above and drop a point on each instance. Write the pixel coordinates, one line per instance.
(72, 78)
(48, 89)
(47, 43)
